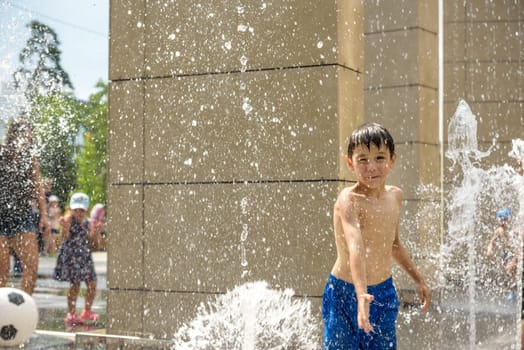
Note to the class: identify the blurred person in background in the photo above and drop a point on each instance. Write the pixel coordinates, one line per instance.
(22, 196)
(53, 217)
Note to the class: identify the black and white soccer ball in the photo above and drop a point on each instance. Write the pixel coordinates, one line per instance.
(18, 316)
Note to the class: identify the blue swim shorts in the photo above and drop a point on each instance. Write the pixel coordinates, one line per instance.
(339, 313)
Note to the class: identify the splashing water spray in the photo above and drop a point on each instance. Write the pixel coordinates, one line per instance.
(251, 317)
(462, 143)
(473, 197)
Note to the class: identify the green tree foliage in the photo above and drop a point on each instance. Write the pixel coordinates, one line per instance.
(40, 72)
(56, 120)
(70, 135)
(92, 160)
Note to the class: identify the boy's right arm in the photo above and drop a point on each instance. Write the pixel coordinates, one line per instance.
(345, 208)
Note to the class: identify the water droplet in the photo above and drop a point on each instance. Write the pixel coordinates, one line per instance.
(243, 60)
(245, 232)
(246, 106)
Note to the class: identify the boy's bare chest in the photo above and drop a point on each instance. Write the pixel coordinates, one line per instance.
(378, 221)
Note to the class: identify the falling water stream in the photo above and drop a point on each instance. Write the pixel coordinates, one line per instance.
(473, 198)
(462, 151)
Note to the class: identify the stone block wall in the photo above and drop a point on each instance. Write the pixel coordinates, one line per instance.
(231, 120)
(225, 121)
(483, 56)
(401, 92)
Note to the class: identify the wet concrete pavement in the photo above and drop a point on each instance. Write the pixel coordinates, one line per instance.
(444, 327)
(51, 299)
(51, 295)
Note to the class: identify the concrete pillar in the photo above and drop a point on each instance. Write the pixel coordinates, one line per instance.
(401, 92)
(226, 118)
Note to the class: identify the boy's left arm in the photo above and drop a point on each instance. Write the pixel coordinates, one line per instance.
(402, 258)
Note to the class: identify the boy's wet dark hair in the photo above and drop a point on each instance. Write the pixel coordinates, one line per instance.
(369, 133)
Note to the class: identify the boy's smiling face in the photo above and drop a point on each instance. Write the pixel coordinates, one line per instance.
(371, 165)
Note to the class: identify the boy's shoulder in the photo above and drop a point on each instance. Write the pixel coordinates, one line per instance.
(352, 191)
(348, 192)
(394, 190)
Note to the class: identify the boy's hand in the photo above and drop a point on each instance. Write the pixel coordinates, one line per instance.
(424, 293)
(363, 312)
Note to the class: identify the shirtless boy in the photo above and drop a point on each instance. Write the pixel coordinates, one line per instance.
(360, 304)
(502, 238)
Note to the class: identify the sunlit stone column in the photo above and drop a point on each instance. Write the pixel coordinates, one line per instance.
(401, 92)
(228, 120)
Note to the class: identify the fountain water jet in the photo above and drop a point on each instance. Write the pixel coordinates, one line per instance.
(462, 139)
(474, 197)
(251, 317)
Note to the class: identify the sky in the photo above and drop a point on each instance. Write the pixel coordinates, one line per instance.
(82, 27)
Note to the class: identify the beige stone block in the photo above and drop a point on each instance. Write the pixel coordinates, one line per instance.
(428, 112)
(430, 165)
(187, 38)
(125, 313)
(420, 234)
(127, 42)
(208, 238)
(409, 113)
(499, 120)
(125, 222)
(454, 11)
(481, 10)
(350, 34)
(428, 59)
(168, 311)
(384, 16)
(351, 114)
(428, 15)
(420, 223)
(276, 125)
(125, 135)
(498, 81)
(454, 42)
(454, 82)
(401, 58)
(502, 39)
(417, 165)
